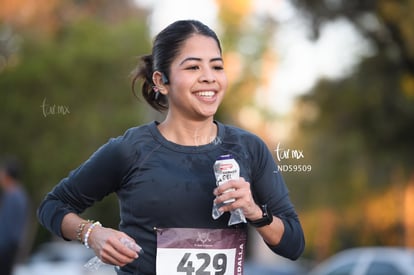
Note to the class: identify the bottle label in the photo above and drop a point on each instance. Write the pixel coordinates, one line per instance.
(226, 168)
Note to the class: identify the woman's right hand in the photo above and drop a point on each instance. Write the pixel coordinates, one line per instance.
(106, 242)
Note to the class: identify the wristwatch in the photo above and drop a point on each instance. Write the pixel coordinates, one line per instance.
(266, 219)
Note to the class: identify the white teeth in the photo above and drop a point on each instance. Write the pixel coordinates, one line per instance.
(206, 94)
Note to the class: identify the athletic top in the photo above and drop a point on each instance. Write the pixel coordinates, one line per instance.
(161, 184)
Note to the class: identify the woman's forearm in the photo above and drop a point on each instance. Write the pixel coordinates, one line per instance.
(272, 233)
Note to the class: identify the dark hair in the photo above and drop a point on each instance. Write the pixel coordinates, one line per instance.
(166, 47)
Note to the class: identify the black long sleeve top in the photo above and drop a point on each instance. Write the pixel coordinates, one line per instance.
(162, 184)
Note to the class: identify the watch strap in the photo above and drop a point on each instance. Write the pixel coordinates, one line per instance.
(267, 217)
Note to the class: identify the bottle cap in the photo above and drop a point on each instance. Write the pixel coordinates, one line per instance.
(223, 157)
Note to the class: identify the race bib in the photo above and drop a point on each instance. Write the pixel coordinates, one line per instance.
(189, 251)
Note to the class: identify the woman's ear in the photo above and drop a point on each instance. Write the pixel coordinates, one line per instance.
(160, 80)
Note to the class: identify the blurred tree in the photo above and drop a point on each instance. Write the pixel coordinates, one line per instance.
(359, 130)
(67, 91)
(388, 24)
(46, 17)
(247, 38)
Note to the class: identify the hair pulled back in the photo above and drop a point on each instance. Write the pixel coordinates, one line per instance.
(166, 47)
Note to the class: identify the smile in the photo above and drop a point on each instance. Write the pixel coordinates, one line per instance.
(207, 94)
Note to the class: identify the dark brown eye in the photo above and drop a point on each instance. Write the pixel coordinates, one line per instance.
(193, 68)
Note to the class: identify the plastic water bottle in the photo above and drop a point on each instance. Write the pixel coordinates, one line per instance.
(226, 168)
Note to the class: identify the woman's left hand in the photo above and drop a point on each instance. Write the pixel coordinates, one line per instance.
(241, 192)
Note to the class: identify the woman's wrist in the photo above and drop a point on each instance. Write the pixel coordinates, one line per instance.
(88, 232)
(256, 213)
(82, 227)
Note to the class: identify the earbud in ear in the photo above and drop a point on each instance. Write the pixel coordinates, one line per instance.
(164, 79)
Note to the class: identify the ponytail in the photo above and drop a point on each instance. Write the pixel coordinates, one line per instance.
(144, 71)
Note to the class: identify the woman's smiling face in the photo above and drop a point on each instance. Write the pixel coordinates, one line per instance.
(197, 81)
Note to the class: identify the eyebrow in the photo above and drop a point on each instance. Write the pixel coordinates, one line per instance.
(199, 59)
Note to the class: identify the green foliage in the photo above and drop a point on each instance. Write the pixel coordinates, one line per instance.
(67, 96)
(360, 140)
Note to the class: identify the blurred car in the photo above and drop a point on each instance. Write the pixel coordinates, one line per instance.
(368, 261)
(63, 258)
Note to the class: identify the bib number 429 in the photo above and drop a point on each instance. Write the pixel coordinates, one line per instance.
(202, 263)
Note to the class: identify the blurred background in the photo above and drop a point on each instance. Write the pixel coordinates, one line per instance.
(328, 84)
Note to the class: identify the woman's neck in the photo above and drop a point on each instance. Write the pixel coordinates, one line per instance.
(188, 133)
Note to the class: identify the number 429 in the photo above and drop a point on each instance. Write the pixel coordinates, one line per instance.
(219, 264)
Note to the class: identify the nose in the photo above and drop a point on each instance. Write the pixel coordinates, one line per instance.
(207, 75)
